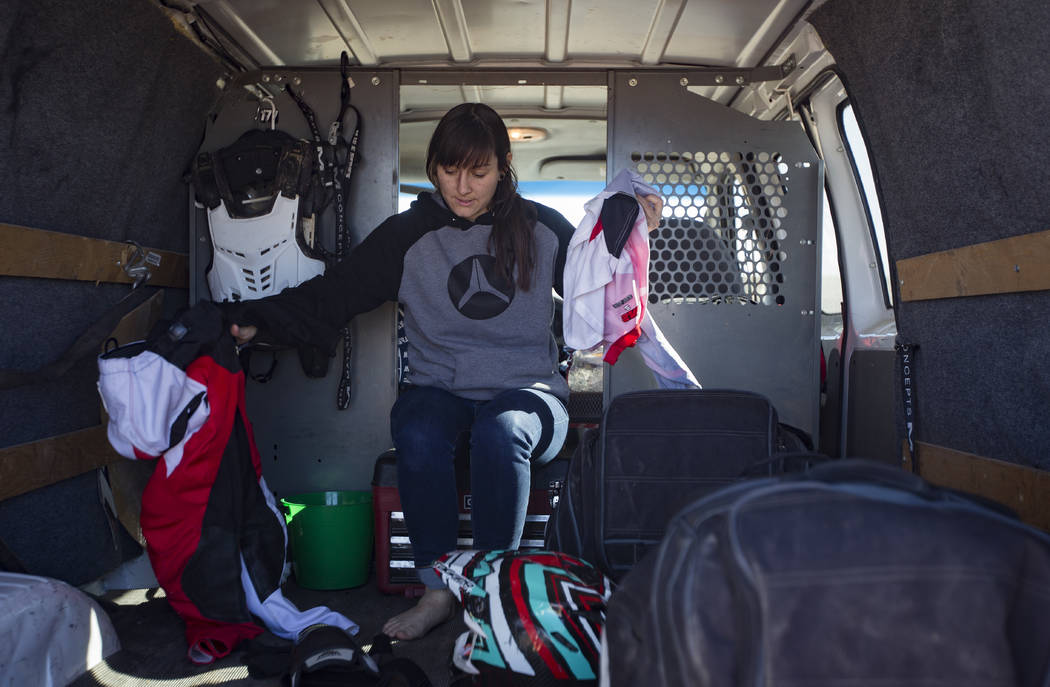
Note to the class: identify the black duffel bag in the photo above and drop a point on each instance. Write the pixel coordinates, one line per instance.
(656, 451)
(853, 573)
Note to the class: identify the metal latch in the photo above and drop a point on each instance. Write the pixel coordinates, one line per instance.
(137, 264)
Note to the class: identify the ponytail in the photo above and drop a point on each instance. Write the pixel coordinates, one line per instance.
(512, 242)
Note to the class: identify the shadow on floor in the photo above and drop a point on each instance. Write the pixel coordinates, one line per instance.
(153, 645)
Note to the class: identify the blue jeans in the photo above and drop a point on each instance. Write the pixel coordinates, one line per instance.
(507, 434)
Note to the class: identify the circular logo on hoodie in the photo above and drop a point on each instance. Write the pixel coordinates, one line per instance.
(477, 290)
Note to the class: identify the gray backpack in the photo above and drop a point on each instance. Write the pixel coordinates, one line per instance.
(853, 573)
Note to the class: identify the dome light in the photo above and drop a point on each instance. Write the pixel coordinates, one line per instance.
(526, 134)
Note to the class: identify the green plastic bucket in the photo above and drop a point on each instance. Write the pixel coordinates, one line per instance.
(330, 536)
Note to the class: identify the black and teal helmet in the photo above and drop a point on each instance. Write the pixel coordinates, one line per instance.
(534, 617)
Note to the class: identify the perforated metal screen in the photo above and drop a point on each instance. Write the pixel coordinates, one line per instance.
(733, 279)
(723, 239)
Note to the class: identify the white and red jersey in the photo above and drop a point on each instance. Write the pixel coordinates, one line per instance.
(214, 535)
(607, 283)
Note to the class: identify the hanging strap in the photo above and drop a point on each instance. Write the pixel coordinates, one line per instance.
(335, 164)
(315, 133)
(906, 355)
(205, 181)
(342, 235)
(88, 343)
(324, 165)
(244, 354)
(292, 171)
(291, 178)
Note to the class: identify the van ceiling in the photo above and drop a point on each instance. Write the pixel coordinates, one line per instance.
(467, 35)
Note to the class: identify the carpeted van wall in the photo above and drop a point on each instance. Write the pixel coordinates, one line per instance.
(952, 99)
(102, 107)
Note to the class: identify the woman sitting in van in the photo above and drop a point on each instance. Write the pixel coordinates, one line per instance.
(473, 265)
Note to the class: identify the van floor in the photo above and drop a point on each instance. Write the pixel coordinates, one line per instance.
(153, 646)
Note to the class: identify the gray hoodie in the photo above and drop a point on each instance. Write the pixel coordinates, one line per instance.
(469, 331)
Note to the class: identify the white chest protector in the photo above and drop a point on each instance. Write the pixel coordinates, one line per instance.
(254, 193)
(257, 256)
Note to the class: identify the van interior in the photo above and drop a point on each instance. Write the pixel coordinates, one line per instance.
(852, 208)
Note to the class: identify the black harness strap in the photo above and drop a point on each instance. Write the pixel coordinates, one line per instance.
(244, 353)
(292, 170)
(334, 168)
(342, 236)
(906, 356)
(88, 343)
(204, 181)
(325, 171)
(291, 178)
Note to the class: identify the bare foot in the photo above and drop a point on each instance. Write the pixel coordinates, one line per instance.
(433, 608)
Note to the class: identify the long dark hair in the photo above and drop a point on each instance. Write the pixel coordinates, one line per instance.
(465, 137)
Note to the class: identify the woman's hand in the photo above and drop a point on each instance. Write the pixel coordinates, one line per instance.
(653, 207)
(243, 333)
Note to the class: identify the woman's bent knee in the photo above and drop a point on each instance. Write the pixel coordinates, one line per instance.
(425, 424)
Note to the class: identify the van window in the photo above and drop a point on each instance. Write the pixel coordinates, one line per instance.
(567, 197)
(830, 276)
(862, 166)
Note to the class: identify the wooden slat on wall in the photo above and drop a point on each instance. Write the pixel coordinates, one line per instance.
(38, 464)
(55, 255)
(1023, 489)
(26, 467)
(1019, 263)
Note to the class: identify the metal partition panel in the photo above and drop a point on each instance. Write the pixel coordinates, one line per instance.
(733, 272)
(306, 443)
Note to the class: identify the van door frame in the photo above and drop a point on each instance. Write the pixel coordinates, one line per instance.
(867, 412)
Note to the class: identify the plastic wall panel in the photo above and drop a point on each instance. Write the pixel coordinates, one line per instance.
(871, 430)
(306, 443)
(733, 280)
